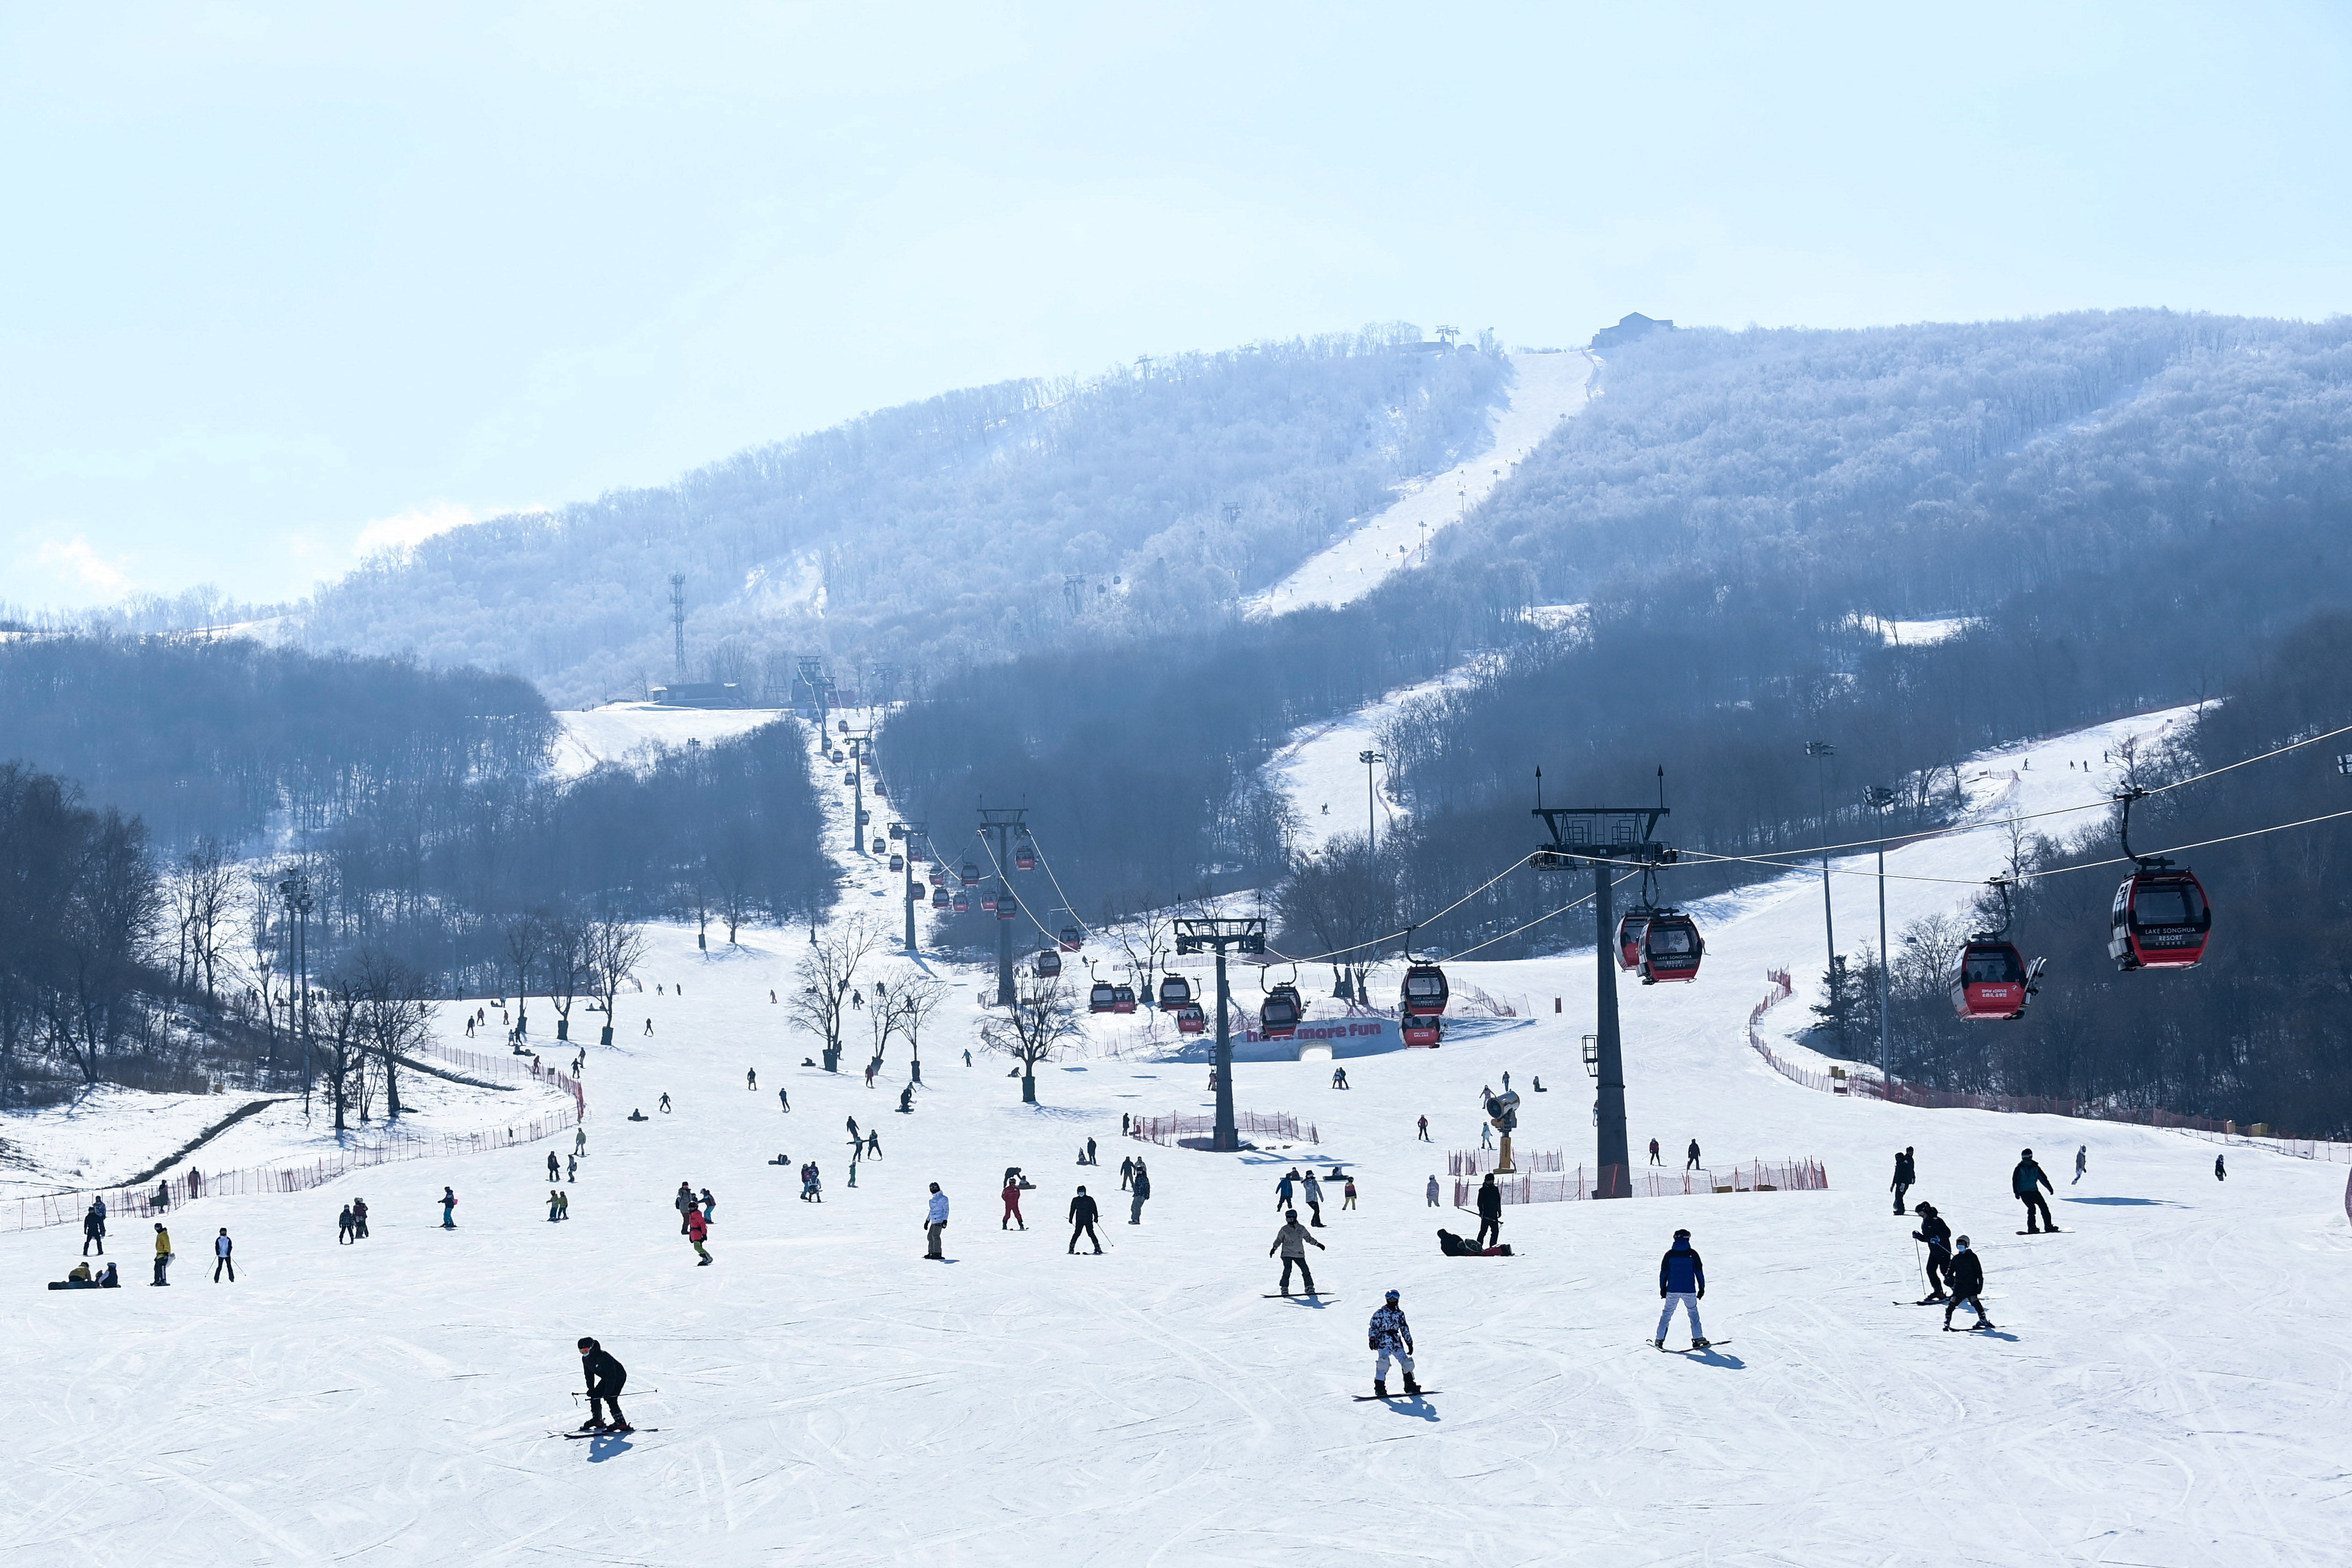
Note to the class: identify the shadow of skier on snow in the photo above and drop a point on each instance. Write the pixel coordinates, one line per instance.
(2133, 1202)
(1413, 1404)
(608, 1446)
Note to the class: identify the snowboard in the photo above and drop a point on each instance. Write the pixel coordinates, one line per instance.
(1367, 1398)
(1301, 1296)
(2053, 1230)
(632, 1432)
(1687, 1348)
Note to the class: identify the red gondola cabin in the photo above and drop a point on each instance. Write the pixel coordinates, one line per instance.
(1671, 948)
(1278, 1015)
(2161, 921)
(1990, 981)
(1425, 992)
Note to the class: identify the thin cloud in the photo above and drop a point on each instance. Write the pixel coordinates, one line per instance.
(406, 530)
(74, 557)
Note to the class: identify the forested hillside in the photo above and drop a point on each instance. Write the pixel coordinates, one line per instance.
(944, 533)
(2109, 496)
(417, 805)
(2262, 1032)
(2122, 507)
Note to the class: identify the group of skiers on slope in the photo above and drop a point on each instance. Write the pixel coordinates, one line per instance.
(93, 1232)
(1956, 1274)
(1294, 1186)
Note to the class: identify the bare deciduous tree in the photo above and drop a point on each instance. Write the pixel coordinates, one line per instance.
(397, 1018)
(1038, 1023)
(570, 964)
(827, 974)
(616, 949)
(525, 935)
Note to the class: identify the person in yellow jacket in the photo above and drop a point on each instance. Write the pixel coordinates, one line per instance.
(163, 1254)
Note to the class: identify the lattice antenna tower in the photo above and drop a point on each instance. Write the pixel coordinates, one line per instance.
(677, 618)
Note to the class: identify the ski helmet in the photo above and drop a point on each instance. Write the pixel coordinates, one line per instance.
(1681, 1235)
(590, 1344)
(1963, 1241)
(1392, 1295)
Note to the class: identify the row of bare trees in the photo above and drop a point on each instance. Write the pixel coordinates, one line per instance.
(574, 955)
(831, 994)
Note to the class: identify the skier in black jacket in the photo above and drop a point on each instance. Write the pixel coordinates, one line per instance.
(1083, 1215)
(605, 1375)
(1905, 1173)
(1490, 1213)
(1938, 1235)
(1966, 1275)
(2028, 1181)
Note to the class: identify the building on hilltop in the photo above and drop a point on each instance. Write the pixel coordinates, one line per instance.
(1632, 326)
(700, 694)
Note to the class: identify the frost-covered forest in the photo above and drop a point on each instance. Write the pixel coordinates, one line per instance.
(943, 533)
(2263, 1030)
(158, 790)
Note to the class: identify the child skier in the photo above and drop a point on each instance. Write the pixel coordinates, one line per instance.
(1965, 1273)
(1392, 1335)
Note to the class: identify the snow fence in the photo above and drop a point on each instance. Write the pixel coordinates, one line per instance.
(1757, 1175)
(1478, 1161)
(1173, 1128)
(145, 1202)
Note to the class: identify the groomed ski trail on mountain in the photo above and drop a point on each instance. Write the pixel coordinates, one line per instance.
(2168, 1387)
(1547, 390)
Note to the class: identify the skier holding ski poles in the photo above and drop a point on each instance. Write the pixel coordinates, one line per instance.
(1938, 1235)
(605, 1377)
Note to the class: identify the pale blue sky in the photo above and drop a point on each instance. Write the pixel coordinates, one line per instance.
(281, 281)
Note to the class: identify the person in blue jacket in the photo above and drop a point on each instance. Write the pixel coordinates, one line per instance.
(1682, 1281)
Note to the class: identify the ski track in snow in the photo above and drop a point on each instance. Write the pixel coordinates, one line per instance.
(1549, 389)
(2169, 1389)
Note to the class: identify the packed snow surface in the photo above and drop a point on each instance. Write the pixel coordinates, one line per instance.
(2168, 1384)
(1547, 389)
(1322, 772)
(625, 732)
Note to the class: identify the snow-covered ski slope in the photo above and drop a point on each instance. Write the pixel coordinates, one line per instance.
(1322, 774)
(1547, 389)
(2169, 1385)
(617, 732)
(108, 1135)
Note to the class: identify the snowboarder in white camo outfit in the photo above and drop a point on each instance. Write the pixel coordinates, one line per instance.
(1392, 1336)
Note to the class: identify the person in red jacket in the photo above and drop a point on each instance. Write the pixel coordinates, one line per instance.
(698, 1231)
(1013, 1204)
